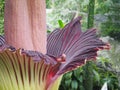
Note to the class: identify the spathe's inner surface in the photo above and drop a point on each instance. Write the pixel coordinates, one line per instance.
(20, 72)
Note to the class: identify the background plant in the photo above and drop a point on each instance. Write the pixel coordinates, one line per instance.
(64, 10)
(111, 26)
(1, 16)
(114, 57)
(101, 73)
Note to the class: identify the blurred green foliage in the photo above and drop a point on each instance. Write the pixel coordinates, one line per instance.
(111, 27)
(65, 10)
(1, 16)
(101, 74)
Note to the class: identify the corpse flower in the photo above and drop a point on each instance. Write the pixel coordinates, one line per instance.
(67, 49)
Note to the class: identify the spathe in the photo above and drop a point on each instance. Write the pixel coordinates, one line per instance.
(67, 49)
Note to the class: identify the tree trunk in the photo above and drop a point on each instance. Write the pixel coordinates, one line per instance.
(25, 24)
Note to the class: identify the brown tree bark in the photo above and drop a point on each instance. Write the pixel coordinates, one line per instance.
(25, 24)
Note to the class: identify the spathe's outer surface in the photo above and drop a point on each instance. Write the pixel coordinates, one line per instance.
(67, 49)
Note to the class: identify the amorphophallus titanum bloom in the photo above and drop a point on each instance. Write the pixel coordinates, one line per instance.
(67, 49)
(28, 69)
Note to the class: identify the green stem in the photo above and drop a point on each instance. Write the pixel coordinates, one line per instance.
(88, 74)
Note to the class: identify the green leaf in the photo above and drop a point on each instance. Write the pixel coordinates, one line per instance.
(68, 82)
(74, 85)
(97, 76)
(61, 24)
(48, 31)
(68, 75)
(80, 79)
